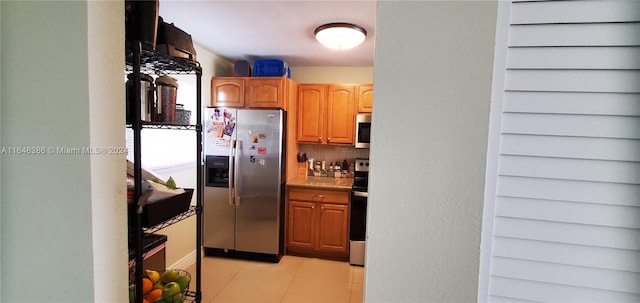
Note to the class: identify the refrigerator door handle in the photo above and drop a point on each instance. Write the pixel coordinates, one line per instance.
(236, 181)
(232, 173)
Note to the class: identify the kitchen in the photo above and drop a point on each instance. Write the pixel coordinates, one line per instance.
(434, 59)
(94, 231)
(179, 251)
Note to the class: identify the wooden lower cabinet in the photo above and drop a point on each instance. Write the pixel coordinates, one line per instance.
(301, 231)
(333, 228)
(318, 223)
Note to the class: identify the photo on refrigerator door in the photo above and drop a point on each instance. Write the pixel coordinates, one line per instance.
(219, 129)
(229, 124)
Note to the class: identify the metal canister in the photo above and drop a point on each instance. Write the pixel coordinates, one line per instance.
(147, 96)
(167, 91)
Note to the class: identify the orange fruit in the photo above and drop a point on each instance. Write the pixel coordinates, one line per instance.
(154, 294)
(147, 285)
(145, 301)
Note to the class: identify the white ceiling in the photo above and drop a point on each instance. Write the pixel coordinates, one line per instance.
(268, 29)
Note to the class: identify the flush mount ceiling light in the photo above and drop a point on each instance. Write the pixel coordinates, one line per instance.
(340, 35)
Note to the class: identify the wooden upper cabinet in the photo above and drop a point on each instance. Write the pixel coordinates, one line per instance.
(311, 99)
(266, 93)
(326, 114)
(340, 114)
(249, 92)
(365, 98)
(227, 92)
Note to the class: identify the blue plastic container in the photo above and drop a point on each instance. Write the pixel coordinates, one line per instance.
(270, 68)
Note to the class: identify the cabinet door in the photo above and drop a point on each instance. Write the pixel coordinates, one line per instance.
(310, 113)
(265, 93)
(301, 224)
(227, 92)
(340, 114)
(365, 98)
(333, 227)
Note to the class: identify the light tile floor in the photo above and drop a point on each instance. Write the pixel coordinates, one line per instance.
(292, 280)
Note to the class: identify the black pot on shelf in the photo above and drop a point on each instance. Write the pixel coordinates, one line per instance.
(141, 22)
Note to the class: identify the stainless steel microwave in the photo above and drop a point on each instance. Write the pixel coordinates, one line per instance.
(363, 130)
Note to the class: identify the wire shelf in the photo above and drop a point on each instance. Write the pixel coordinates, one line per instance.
(160, 125)
(150, 62)
(192, 211)
(191, 296)
(153, 62)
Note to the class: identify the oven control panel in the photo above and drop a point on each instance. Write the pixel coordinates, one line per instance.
(362, 165)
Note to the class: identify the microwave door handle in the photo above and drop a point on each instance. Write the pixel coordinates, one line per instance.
(236, 179)
(232, 173)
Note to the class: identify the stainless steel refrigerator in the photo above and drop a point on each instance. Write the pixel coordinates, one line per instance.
(243, 192)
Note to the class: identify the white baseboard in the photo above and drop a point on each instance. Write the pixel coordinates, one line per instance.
(185, 262)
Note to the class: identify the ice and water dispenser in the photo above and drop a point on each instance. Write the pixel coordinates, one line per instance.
(217, 171)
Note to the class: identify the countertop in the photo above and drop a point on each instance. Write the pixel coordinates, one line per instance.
(322, 183)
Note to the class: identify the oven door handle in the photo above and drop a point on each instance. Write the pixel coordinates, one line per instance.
(360, 194)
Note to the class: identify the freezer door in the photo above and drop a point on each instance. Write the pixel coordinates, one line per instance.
(218, 219)
(259, 175)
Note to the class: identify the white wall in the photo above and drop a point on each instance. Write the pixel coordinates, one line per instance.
(433, 69)
(55, 93)
(106, 117)
(212, 65)
(1, 97)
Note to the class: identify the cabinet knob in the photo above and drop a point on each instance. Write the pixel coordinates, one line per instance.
(328, 139)
(320, 138)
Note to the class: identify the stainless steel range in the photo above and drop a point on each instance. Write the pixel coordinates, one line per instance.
(359, 195)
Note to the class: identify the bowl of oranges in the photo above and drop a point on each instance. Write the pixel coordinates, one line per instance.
(169, 286)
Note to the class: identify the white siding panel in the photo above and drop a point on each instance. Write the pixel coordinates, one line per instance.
(592, 34)
(578, 255)
(571, 147)
(569, 190)
(570, 169)
(549, 292)
(562, 214)
(617, 81)
(567, 275)
(497, 299)
(578, 234)
(573, 103)
(574, 57)
(575, 12)
(569, 212)
(571, 125)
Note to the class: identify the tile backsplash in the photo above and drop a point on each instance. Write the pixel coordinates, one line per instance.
(333, 153)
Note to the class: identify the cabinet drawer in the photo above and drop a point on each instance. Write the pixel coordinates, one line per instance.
(319, 195)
